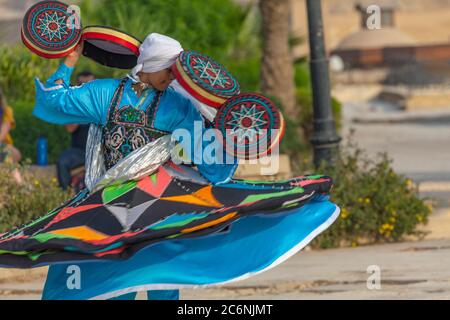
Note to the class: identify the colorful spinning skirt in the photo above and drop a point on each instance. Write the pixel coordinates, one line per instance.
(169, 230)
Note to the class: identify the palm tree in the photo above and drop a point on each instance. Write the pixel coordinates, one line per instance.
(277, 70)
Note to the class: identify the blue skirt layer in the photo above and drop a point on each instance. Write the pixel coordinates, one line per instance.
(252, 245)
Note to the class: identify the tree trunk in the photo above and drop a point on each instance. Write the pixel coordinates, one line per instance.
(277, 70)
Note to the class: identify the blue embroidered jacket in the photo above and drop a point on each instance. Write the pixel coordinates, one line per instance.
(89, 103)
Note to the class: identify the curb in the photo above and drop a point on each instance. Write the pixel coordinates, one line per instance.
(403, 118)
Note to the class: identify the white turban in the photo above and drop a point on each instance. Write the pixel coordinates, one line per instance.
(157, 53)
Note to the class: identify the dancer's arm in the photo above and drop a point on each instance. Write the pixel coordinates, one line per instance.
(65, 70)
(57, 102)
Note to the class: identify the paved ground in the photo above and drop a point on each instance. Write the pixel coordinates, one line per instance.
(418, 144)
(407, 270)
(421, 151)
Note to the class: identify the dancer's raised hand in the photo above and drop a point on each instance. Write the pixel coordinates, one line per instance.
(73, 57)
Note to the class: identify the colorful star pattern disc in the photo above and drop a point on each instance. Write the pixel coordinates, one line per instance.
(51, 29)
(251, 125)
(205, 79)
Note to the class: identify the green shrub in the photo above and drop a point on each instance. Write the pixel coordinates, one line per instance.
(302, 74)
(20, 204)
(29, 128)
(18, 69)
(221, 29)
(377, 204)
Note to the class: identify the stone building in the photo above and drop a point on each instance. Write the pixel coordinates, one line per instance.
(385, 45)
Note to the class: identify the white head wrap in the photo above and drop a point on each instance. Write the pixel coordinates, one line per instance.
(157, 53)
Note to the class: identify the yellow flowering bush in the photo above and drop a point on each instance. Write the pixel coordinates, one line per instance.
(21, 203)
(377, 204)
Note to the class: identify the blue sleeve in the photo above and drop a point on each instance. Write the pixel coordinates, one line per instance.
(62, 104)
(177, 112)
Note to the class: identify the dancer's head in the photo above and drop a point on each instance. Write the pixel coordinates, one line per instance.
(157, 54)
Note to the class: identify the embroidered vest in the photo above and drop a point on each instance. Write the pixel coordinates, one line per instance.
(128, 128)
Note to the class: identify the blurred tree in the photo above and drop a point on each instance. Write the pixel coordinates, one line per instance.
(277, 70)
(222, 29)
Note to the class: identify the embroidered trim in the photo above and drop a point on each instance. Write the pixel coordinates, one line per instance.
(128, 128)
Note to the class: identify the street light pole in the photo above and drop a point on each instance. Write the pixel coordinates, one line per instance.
(325, 139)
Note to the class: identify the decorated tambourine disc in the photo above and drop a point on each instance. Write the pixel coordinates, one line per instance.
(205, 79)
(251, 125)
(51, 29)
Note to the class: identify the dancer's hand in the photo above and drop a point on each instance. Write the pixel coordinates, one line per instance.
(72, 58)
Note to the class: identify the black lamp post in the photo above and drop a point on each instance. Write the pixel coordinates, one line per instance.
(325, 139)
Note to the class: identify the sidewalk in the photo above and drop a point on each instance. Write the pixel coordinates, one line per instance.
(438, 225)
(409, 270)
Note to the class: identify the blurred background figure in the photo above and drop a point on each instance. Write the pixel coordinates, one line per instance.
(8, 153)
(70, 165)
(85, 77)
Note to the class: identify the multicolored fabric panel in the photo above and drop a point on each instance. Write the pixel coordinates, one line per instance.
(174, 202)
(258, 243)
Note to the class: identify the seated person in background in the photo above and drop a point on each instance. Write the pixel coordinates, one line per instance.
(74, 156)
(8, 153)
(85, 77)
